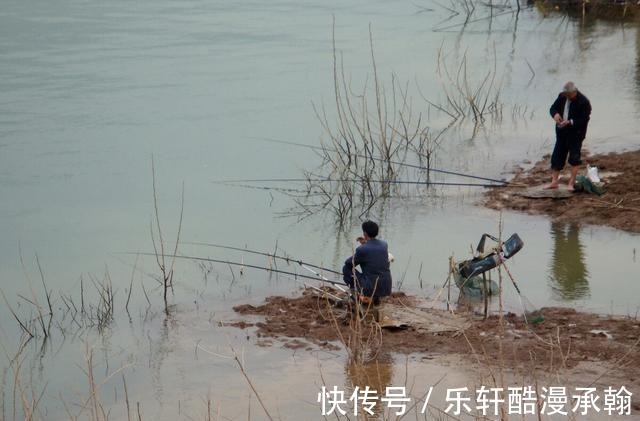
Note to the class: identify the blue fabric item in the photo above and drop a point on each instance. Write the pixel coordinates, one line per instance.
(375, 278)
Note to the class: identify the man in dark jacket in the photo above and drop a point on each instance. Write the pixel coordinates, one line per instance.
(571, 112)
(372, 256)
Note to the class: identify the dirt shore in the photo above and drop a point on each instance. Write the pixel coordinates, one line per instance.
(564, 339)
(619, 207)
(606, 10)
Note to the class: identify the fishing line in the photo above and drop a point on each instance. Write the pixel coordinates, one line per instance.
(228, 262)
(404, 164)
(341, 180)
(262, 253)
(284, 190)
(300, 193)
(521, 297)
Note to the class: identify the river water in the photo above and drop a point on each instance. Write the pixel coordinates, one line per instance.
(90, 91)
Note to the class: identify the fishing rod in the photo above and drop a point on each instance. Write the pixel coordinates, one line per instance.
(324, 278)
(283, 190)
(335, 297)
(263, 253)
(347, 180)
(403, 164)
(318, 277)
(310, 193)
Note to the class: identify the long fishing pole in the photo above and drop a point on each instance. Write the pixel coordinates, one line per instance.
(403, 164)
(229, 262)
(310, 193)
(335, 297)
(263, 253)
(346, 180)
(324, 278)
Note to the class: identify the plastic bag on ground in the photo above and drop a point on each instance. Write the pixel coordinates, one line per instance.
(592, 174)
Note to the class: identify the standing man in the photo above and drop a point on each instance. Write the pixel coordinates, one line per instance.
(571, 112)
(372, 255)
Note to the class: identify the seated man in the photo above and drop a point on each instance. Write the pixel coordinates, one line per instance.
(372, 256)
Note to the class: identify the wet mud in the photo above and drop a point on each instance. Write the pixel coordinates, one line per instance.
(618, 207)
(562, 338)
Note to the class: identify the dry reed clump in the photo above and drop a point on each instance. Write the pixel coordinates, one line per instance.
(355, 327)
(473, 12)
(159, 245)
(64, 312)
(26, 398)
(467, 96)
(380, 141)
(40, 311)
(376, 132)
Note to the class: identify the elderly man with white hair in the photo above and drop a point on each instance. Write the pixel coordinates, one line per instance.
(571, 111)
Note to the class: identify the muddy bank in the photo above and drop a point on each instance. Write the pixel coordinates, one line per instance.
(592, 10)
(564, 339)
(619, 207)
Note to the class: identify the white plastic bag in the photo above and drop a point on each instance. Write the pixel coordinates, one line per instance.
(592, 174)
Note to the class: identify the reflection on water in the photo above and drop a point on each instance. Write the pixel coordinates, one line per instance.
(568, 272)
(376, 375)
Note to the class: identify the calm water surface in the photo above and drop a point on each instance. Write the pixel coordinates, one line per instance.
(91, 90)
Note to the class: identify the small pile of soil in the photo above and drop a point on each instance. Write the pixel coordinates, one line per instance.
(619, 207)
(563, 339)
